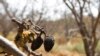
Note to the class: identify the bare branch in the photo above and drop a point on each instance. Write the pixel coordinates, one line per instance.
(79, 2)
(91, 15)
(14, 13)
(67, 5)
(40, 17)
(97, 19)
(72, 10)
(41, 14)
(23, 11)
(5, 5)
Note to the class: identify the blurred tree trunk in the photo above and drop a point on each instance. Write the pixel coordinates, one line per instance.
(77, 8)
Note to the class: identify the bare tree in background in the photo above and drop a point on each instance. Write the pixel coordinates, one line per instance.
(42, 13)
(10, 14)
(77, 8)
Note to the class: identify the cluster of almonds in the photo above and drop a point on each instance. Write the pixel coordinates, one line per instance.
(48, 42)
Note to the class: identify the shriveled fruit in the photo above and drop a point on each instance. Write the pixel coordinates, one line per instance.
(48, 43)
(36, 43)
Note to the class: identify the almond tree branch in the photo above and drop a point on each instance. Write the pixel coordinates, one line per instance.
(97, 19)
(72, 10)
(78, 18)
(41, 13)
(5, 5)
(81, 17)
(91, 15)
(94, 30)
(79, 2)
(23, 11)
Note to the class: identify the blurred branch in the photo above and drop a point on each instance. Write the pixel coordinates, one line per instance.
(41, 13)
(95, 27)
(10, 47)
(89, 39)
(78, 16)
(94, 23)
(10, 14)
(39, 19)
(5, 5)
(91, 15)
(72, 10)
(14, 13)
(97, 21)
(23, 11)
